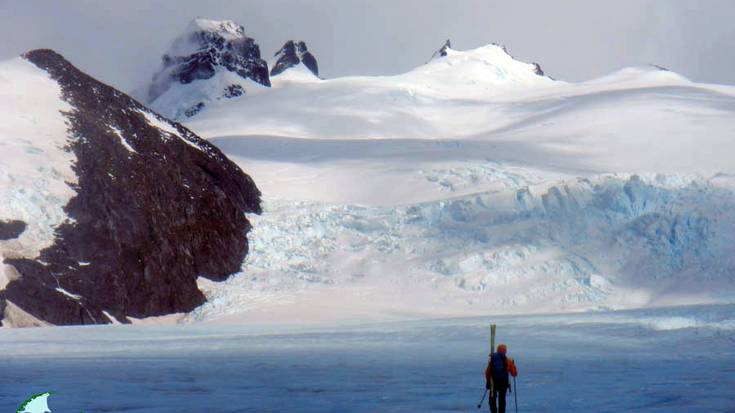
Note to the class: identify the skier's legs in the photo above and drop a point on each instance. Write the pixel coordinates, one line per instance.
(493, 401)
(502, 390)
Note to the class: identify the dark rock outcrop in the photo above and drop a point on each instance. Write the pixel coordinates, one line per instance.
(194, 109)
(292, 54)
(233, 91)
(536, 66)
(11, 229)
(209, 45)
(155, 207)
(442, 52)
(537, 69)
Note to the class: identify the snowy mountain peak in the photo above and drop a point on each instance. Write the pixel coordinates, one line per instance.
(292, 54)
(476, 72)
(209, 58)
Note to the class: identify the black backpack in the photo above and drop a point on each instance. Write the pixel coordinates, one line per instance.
(498, 367)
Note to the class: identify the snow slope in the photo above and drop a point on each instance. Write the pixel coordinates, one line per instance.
(35, 169)
(473, 185)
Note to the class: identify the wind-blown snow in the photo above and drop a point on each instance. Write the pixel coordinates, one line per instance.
(179, 98)
(226, 28)
(472, 185)
(225, 43)
(35, 166)
(186, 43)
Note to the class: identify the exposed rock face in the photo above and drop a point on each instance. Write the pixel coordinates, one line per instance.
(233, 91)
(218, 51)
(661, 68)
(194, 109)
(155, 206)
(11, 229)
(537, 69)
(536, 66)
(207, 45)
(442, 52)
(292, 54)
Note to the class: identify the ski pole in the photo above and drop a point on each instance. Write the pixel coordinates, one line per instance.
(515, 393)
(482, 400)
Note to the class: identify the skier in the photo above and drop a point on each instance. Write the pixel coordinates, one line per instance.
(497, 379)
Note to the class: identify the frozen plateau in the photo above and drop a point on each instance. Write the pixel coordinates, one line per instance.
(649, 361)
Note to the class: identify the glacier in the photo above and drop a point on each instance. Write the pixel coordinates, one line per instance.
(610, 242)
(473, 185)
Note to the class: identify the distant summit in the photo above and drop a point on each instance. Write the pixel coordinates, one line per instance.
(490, 68)
(205, 46)
(292, 54)
(214, 61)
(501, 52)
(209, 61)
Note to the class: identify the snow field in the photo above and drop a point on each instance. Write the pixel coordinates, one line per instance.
(601, 362)
(36, 174)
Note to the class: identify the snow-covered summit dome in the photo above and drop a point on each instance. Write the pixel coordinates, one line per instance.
(206, 62)
(486, 69)
(493, 58)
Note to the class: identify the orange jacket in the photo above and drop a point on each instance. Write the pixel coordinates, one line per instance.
(509, 364)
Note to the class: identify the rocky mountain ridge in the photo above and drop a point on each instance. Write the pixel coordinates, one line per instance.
(214, 60)
(151, 206)
(291, 55)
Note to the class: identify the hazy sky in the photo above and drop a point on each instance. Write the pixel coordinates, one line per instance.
(120, 42)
